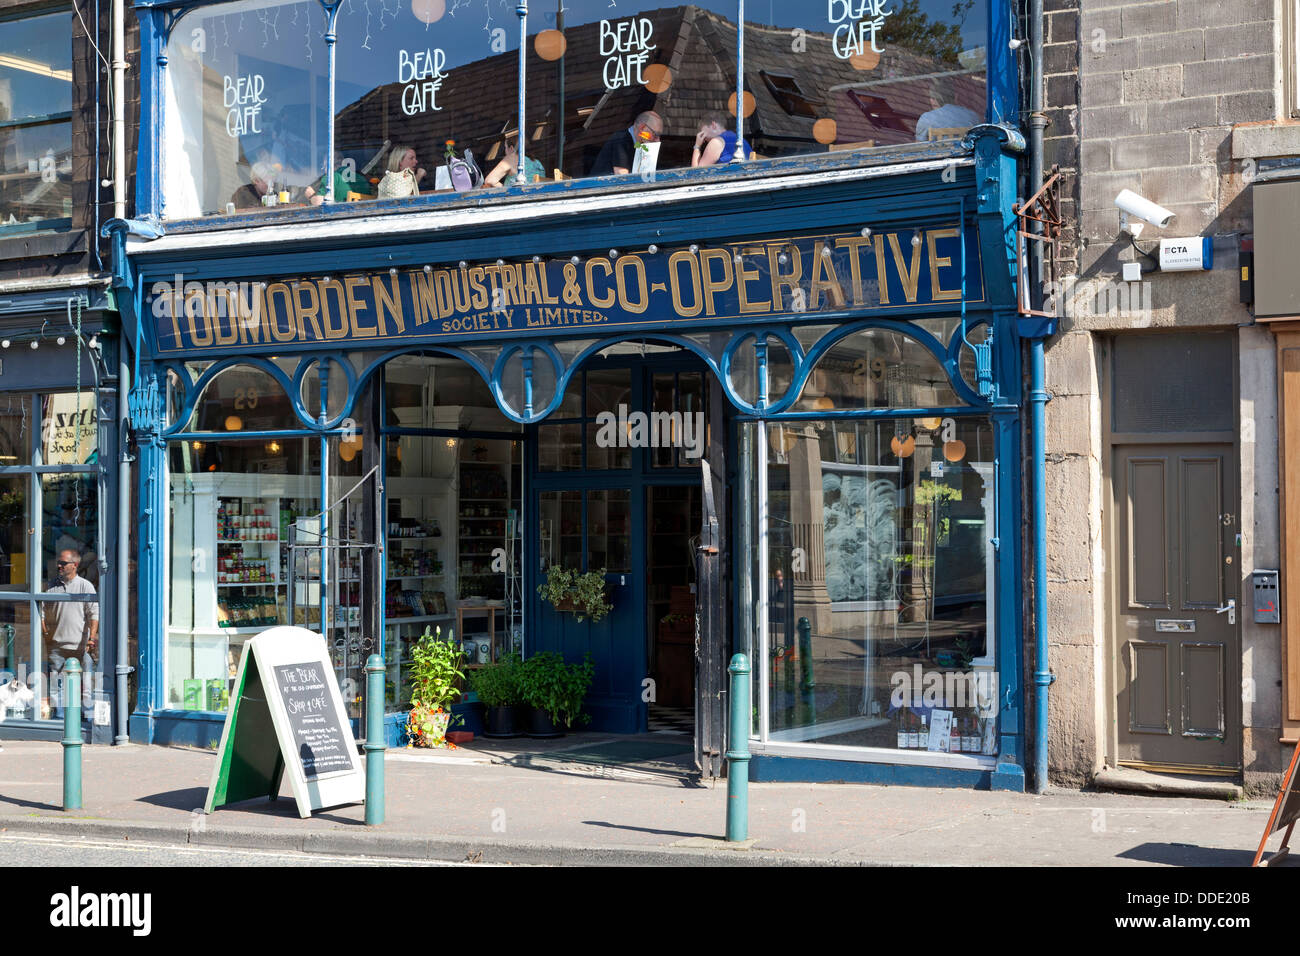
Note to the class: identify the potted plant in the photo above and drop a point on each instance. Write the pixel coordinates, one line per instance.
(554, 691)
(583, 594)
(497, 687)
(435, 671)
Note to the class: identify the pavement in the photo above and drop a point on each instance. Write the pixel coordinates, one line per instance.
(545, 802)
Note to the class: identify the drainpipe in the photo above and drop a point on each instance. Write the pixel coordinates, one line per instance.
(124, 665)
(119, 110)
(521, 170)
(1038, 399)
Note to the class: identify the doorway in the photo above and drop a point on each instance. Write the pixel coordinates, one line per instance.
(615, 480)
(1175, 593)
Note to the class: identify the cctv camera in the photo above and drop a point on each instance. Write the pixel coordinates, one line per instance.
(1131, 204)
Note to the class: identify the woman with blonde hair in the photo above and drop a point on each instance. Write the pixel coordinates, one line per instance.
(402, 178)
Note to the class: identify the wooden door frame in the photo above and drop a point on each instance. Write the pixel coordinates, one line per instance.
(1286, 337)
(1110, 440)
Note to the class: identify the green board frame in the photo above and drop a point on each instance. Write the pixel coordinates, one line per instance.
(249, 761)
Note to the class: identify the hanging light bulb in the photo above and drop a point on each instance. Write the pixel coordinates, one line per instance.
(826, 252)
(501, 262)
(61, 340)
(4, 344)
(916, 238)
(783, 258)
(428, 269)
(92, 344)
(575, 260)
(392, 271)
(694, 248)
(463, 263)
(35, 345)
(613, 253)
(653, 250)
(537, 258)
(866, 232)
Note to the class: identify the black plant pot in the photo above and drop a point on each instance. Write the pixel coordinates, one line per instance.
(500, 721)
(541, 725)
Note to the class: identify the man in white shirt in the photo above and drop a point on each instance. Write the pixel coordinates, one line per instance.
(71, 631)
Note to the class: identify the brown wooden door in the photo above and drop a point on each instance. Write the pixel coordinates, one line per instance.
(1176, 656)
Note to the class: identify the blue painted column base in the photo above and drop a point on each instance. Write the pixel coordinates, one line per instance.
(1008, 776)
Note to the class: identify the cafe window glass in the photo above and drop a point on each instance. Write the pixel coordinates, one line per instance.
(858, 73)
(621, 90)
(418, 84)
(246, 107)
(879, 595)
(36, 122)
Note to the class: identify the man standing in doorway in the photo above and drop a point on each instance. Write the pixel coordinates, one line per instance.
(71, 631)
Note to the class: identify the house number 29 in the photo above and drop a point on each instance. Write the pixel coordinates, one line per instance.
(245, 398)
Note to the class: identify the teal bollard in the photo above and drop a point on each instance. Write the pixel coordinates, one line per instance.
(72, 735)
(738, 752)
(375, 740)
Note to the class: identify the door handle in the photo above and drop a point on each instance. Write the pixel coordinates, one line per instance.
(1231, 608)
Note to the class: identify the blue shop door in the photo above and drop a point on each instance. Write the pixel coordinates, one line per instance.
(590, 529)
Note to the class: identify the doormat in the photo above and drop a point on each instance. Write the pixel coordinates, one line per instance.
(623, 751)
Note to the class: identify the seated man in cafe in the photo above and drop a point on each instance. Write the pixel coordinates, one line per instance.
(619, 152)
(249, 196)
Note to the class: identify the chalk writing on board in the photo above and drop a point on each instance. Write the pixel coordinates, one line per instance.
(626, 46)
(321, 743)
(858, 26)
(422, 74)
(243, 98)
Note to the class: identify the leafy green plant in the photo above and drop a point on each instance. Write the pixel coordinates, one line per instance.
(497, 685)
(549, 684)
(584, 594)
(435, 672)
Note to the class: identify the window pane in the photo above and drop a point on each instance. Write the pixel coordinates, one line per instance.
(15, 431)
(245, 398)
(609, 530)
(233, 505)
(22, 674)
(881, 571)
(601, 75)
(36, 85)
(246, 106)
(559, 447)
(14, 522)
(70, 525)
(561, 529)
(863, 74)
(412, 78)
(877, 368)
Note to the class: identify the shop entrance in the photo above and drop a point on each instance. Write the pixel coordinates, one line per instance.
(616, 489)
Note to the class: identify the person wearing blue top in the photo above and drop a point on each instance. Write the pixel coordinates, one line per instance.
(715, 144)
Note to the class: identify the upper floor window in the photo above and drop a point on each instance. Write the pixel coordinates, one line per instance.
(35, 122)
(426, 94)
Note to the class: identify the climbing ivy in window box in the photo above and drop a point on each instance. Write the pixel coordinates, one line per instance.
(585, 595)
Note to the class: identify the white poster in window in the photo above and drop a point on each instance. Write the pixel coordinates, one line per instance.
(940, 728)
(69, 429)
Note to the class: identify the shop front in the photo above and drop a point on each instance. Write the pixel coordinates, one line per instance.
(369, 417)
(61, 593)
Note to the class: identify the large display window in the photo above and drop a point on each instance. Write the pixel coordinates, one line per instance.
(873, 610)
(50, 545)
(425, 95)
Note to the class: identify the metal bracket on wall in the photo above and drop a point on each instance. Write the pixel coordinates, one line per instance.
(1040, 221)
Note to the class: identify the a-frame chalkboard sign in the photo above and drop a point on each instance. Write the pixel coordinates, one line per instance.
(1286, 810)
(287, 714)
